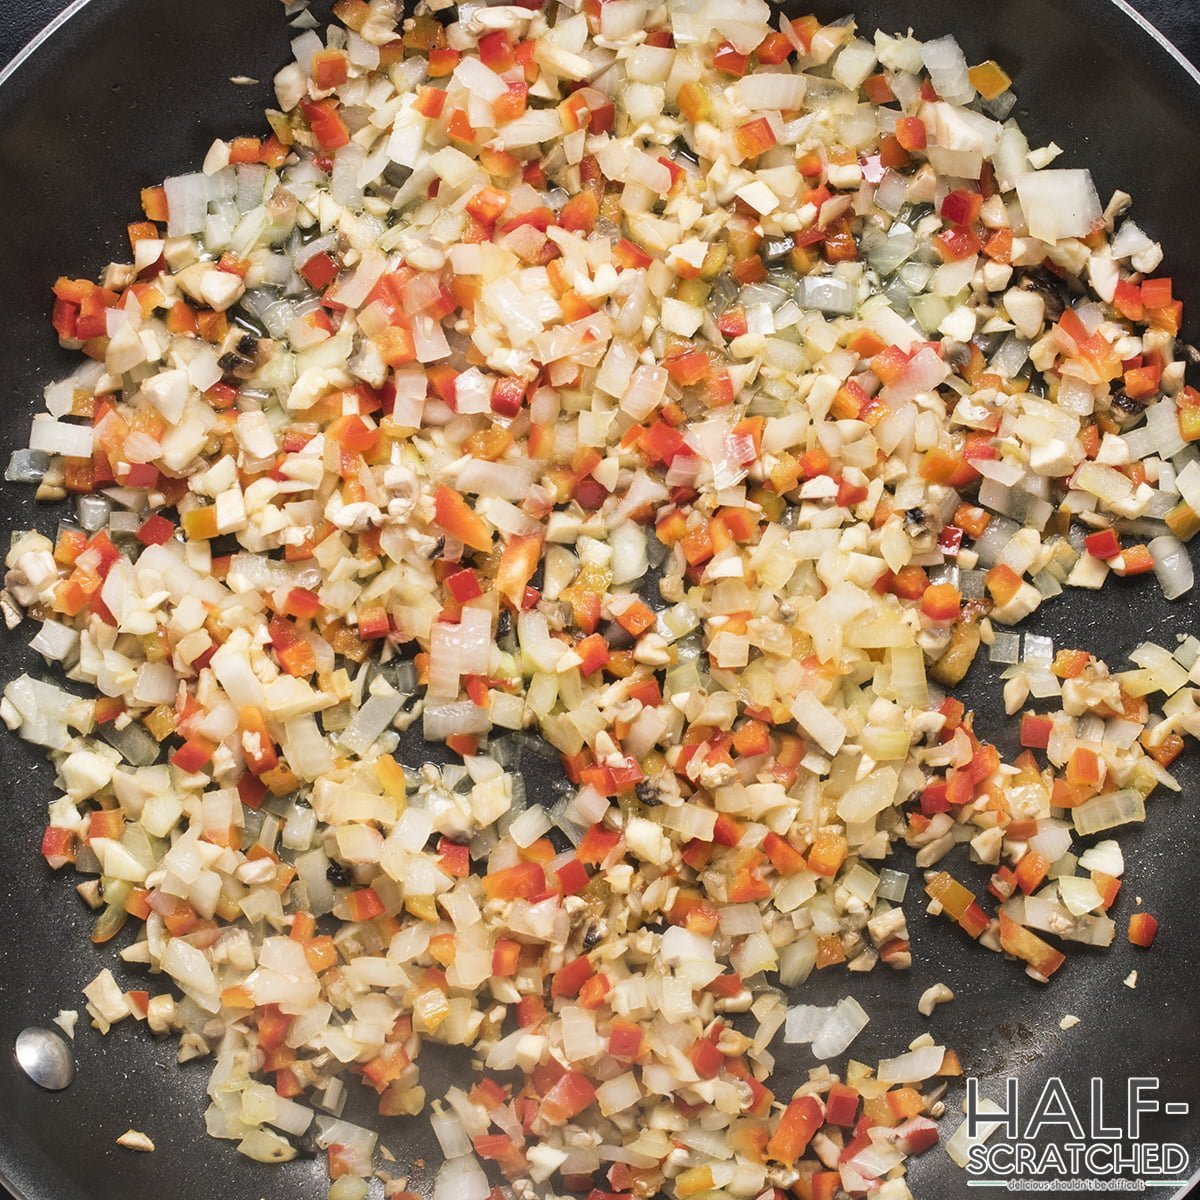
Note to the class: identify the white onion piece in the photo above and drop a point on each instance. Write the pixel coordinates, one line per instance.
(947, 66)
(57, 437)
(771, 90)
(1109, 810)
(187, 203)
(1172, 566)
(1059, 204)
(191, 970)
(461, 1179)
(529, 825)
(1051, 841)
(913, 1067)
(452, 1137)
(56, 641)
(1079, 896)
(804, 1022)
(442, 720)
(845, 1023)
(1104, 856)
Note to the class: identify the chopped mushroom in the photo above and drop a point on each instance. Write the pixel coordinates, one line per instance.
(134, 1139)
(931, 997)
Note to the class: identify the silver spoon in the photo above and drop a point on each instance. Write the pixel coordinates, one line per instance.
(45, 1058)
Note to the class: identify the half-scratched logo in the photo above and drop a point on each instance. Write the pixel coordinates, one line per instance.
(1064, 1143)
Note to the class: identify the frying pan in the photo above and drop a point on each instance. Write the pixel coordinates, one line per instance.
(129, 91)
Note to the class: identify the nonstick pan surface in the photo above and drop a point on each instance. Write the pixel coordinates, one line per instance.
(129, 91)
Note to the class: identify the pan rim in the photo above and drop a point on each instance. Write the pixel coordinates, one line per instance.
(1122, 6)
(42, 36)
(30, 49)
(20, 72)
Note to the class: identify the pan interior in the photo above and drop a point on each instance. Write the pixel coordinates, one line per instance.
(130, 91)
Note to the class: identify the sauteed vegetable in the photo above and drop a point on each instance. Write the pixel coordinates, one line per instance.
(676, 392)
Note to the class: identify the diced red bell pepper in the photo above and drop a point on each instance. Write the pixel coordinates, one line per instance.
(569, 978)
(774, 48)
(530, 1011)
(194, 755)
(454, 515)
(824, 1185)
(464, 585)
(597, 844)
(156, 530)
(1134, 560)
(326, 123)
(570, 1096)
(257, 746)
(1156, 293)
(785, 858)
(689, 368)
(496, 51)
(624, 1040)
(1002, 583)
(330, 68)
(916, 1135)
(841, 1105)
(508, 395)
(631, 256)
(754, 138)
(1036, 731)
(956, 243)
(961, 207)
(58, 846)
(572, 877)
(459, 127)
(1031, 871)
(454, 858)
(878, 89)
(506, 956)
(512, 103)
(732, 322)
(910, 133)
(320, 270)
(594, 991)
(827, 853)
(1127, 300)
(251, 791)
(431, 100)
(727, 986)
(1143, 928)
(579, 214)
(941, 602)
(524, 881)
(730, 61)
(593, 654)
(363, 905)
(1083, 768)
(904, 1102)
(1104, 543)
(706, 1058)
(801, 1119)
(1108, 886)
(1024, 944)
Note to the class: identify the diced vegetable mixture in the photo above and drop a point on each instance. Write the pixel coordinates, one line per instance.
(675, 392)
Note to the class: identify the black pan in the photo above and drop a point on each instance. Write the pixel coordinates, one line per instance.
(129, 91)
